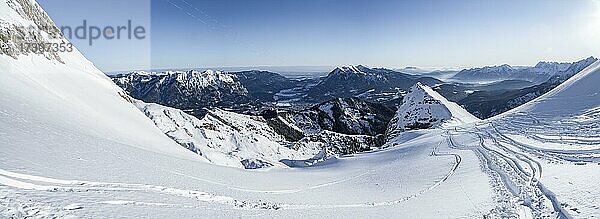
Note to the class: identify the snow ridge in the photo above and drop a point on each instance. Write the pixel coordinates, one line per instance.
(424, 108)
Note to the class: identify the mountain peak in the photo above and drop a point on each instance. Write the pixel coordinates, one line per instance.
(417, 86)
(346, 70)
(350, 69)
(423, 108)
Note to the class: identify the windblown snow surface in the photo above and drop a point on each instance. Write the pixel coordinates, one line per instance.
(71, 145)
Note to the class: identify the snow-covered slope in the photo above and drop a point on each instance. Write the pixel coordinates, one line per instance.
(242, 141)
(424, 108)
(42, 95)
(225, 138)
(557, 138)
(581, 92)
(569, 113)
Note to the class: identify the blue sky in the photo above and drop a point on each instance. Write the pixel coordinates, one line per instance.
(462, 33)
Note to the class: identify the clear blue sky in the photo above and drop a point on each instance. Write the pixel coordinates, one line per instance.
(427, 33)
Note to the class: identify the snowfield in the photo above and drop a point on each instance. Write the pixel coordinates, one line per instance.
(73, 145)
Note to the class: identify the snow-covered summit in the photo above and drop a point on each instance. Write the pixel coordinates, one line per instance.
(424, 108)
(350, 69)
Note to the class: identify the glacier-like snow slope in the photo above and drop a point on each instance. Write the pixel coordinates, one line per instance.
(71, 145)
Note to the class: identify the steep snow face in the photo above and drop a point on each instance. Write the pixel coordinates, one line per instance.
(224, 138)
(191, 90)
(424, 108)
(63, 93)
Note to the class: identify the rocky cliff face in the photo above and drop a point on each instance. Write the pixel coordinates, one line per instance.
(35, 23)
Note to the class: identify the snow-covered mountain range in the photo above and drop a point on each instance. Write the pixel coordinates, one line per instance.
(539, 73)
(191, 91)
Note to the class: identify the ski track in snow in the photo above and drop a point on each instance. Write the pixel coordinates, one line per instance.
(511, 160)
(31, 182)
(517, 170)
